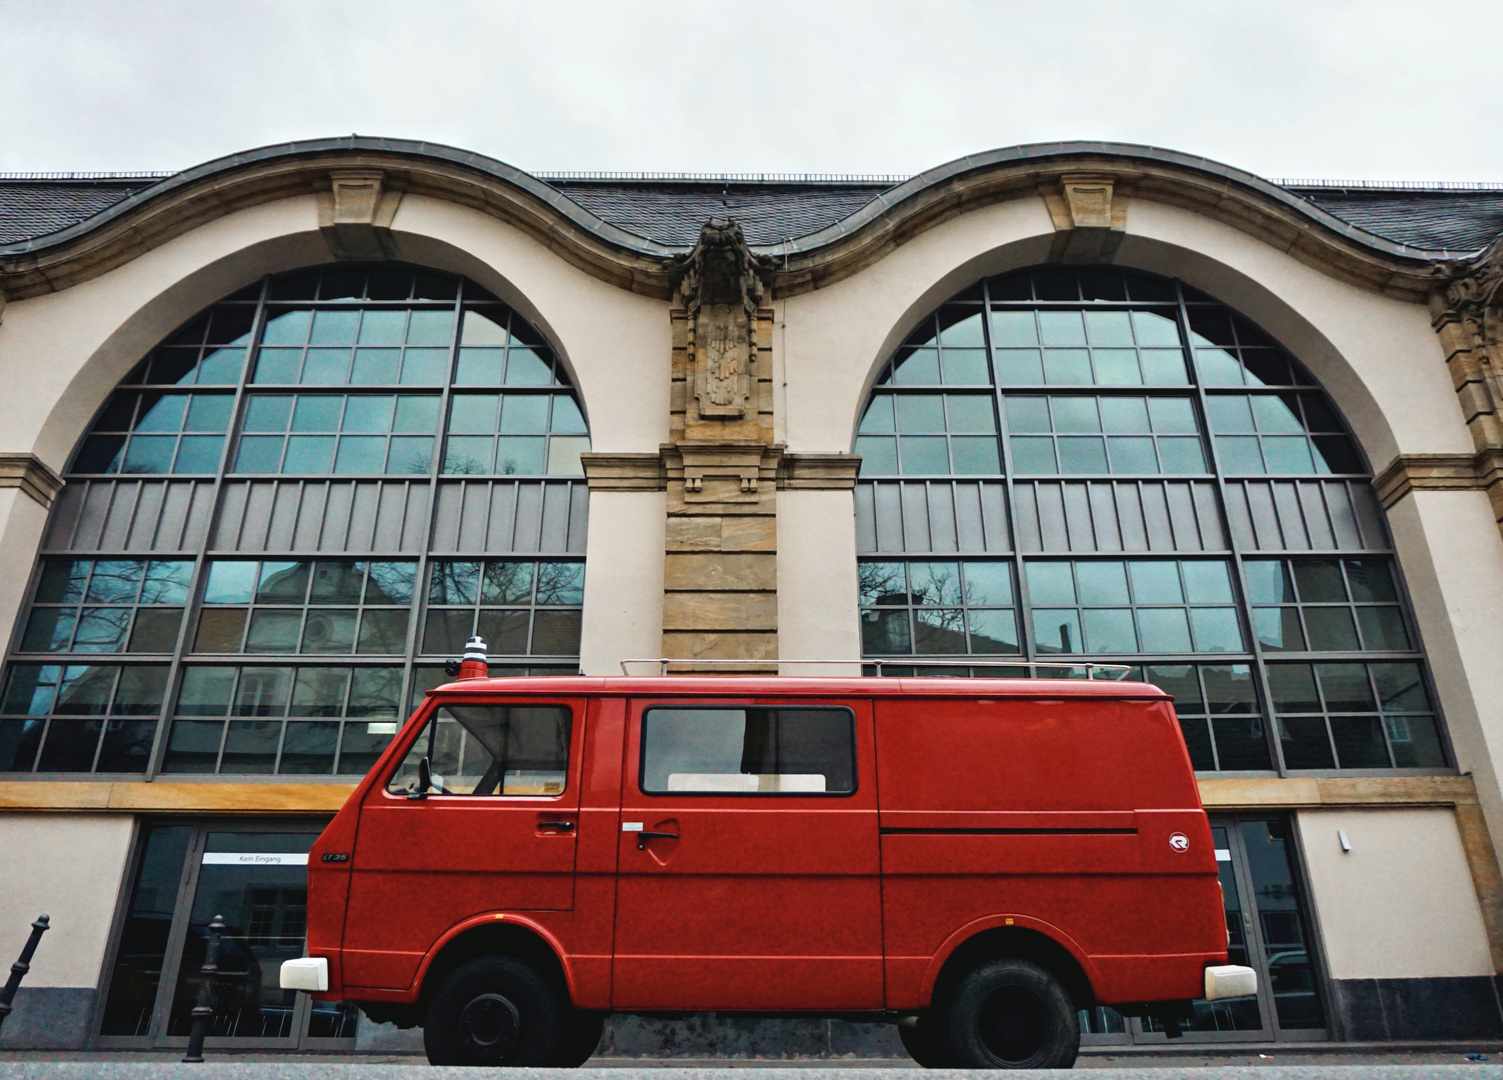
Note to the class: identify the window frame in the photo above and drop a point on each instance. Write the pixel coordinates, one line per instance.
(905, 517)
(427, 714)
(646, 708)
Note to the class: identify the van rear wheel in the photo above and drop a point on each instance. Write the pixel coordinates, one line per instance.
(1012, 1014)
(493, 1010)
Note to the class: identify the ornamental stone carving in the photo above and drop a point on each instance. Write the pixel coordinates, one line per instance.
(722, 288)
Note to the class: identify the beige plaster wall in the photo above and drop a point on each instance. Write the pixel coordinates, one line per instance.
(817, 608)
(68, 867)
(1400, 904)
(1452, 555)
(623, 600)
(618, 345)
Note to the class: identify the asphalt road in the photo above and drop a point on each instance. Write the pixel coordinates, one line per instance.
(313, 1070)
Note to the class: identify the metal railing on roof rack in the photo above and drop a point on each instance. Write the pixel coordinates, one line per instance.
(1116, 671)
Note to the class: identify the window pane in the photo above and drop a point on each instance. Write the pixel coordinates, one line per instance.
(1156, 582)
(1164, 630)
(493, 750)
(993, 631)
(749, 751)
(1306, 745)
(1216, 630)
(1109, 630)
(1359, 742)
(1101, 582)
(1330, 629)
(1056, 631)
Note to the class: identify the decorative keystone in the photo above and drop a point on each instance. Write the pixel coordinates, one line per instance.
(356, 213)
(1090, 218)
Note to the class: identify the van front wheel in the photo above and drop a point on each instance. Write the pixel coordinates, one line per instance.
(1012, 1014)
(493, 1010)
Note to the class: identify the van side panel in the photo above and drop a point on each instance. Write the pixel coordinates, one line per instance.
(1056, 814)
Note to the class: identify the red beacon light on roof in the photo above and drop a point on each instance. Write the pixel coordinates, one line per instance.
(475, 665)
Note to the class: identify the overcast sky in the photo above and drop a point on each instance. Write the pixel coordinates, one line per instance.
(1364, 89)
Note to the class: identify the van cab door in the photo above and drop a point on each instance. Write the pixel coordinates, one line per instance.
(495, 830)
(748, 864)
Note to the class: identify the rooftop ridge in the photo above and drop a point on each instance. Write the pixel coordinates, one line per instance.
(1392, 185)
(157, 175)
(733, 178)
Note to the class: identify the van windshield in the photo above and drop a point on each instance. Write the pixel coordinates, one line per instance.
(490, 750)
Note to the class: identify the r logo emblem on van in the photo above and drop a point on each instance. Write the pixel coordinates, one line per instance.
(1179, 842)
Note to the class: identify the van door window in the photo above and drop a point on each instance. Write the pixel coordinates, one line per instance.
(490, 750)
(749, 751)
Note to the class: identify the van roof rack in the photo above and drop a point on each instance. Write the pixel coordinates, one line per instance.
(1111, 671)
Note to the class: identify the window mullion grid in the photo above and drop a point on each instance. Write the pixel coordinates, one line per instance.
(1022, 609)
(201, 556)
(1239, 574)
(430, 524)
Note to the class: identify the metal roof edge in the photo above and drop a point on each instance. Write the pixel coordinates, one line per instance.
(951, 170)
(883, 202)
(352, 143)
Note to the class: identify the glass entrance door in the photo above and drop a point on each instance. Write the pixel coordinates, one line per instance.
(255, 879)
(1267, 930)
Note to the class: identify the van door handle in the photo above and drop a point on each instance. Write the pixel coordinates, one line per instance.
(565, 825)
(644, 836)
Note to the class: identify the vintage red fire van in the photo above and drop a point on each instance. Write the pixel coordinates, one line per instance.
(972, 859)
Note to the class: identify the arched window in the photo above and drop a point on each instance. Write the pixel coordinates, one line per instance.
(1112, 466)
(286, 517)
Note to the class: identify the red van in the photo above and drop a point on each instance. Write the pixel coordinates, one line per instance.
(972, 859)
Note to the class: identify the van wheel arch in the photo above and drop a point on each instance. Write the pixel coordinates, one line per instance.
(1014, 942)
(497, 940)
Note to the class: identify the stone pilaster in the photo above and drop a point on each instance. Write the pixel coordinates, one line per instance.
(720, 580)
(1468, 318)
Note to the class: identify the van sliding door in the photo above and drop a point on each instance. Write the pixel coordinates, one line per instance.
(748, 863)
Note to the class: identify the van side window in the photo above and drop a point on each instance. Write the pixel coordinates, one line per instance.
(490, 750)
(809, 751)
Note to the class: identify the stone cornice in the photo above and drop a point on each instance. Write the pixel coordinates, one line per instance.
(819, 472)
(180, 203)
(1438, 472)
(651, 472)
(625, 472)
(29, 473)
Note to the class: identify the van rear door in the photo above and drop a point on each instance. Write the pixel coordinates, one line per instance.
(748, 862)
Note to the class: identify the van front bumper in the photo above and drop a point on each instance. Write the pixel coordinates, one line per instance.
(1224, 981)
(311, 973)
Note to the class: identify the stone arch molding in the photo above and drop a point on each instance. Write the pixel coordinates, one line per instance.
(77, 344)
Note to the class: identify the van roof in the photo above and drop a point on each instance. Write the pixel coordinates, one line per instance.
(802, 686)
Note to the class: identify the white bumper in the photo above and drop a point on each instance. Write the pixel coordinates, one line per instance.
(312, 973)
(1227, 981)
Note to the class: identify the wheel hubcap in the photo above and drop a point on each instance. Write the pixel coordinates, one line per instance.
(1014, 1024)
(489, 1025)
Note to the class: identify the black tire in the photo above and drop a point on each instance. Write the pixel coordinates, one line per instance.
(580, 1040)
(1012, 1014)
(925, 1044)
(493, 1010)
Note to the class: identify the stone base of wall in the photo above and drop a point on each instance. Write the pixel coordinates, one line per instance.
(48, 1018)
(1380, 1010)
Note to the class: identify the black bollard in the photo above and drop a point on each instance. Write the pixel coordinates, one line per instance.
(19, 969)
(206, 976)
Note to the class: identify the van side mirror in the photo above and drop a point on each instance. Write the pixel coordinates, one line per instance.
(424, 780)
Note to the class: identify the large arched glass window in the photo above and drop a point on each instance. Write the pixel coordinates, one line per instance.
(286, 517)
(1089, 463)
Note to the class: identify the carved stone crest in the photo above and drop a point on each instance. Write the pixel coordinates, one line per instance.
(722, 288)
